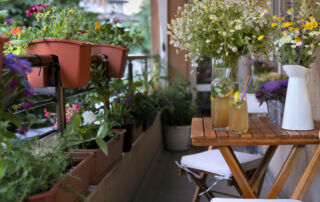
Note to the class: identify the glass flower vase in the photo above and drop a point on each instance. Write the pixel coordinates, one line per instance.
(221, 90)
(275, 111)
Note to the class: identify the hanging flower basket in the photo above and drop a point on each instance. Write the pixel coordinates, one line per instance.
(3, 39)
(74, 60)
(101, 164)
(78, 180)
(117, 58)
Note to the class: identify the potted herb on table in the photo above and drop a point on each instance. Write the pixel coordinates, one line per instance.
(177, 113)
(274, 94)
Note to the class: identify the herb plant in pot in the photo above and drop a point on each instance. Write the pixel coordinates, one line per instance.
(177, 112)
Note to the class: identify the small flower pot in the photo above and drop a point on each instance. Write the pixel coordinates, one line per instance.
(101, 164)
(74, 60)
(3, 39)
(117, 58)
(78, 182)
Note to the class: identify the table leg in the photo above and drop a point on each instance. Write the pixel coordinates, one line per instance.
(308, 176)
(237, 171)
(258, 176)
(285, 172)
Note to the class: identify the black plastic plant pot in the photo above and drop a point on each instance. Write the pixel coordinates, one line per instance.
(128, 136)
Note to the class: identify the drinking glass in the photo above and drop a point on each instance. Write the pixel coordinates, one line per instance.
(238, 116)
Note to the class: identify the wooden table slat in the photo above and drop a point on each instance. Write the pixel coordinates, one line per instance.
(197, 130)
(208, 132)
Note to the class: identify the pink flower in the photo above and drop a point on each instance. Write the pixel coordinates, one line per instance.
(46, 113)
(39, 7)
(68, 117)
(54, 123)
(29, 13)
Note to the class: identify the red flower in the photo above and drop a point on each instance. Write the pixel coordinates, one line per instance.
(16, 31)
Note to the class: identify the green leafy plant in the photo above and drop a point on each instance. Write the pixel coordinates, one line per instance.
(176, 103)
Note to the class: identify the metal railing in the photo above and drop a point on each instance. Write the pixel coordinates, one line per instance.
(58, 93)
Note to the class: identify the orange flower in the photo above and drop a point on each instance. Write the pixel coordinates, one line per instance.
(154, 90)
(16, 31)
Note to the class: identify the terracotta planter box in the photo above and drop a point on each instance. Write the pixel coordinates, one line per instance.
(3, 39)
(101, 164)
(78, 180)
(74, 60)
(117, 58)
(41, 77)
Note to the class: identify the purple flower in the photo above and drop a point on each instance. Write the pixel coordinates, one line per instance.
(17, 65)
(46, 5)
(22, 130)
(9, 21)
(131, 107)
(272, 86)
(284, 83)
(29, 91)
(259, 95)
(117, 100)
(26, 105)
(126, 102)
(13, 83)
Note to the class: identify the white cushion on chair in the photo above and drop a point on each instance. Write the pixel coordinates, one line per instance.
(212, 161)
(252, 200)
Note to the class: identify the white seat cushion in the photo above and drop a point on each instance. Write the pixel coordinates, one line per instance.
(252, 200)
(212, 161)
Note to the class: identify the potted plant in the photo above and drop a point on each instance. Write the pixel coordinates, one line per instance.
(58, 34)
(298, 41)
(114, 41)
(176, 115)
(274, 94)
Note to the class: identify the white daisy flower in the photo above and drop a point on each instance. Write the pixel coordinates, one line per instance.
(231, 30)
(234, 49)
(238, 27)
(299, 44)
(208, 41)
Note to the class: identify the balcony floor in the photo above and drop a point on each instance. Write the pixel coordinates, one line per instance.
(163, 184)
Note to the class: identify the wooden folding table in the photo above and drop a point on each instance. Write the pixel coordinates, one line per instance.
(261, 132)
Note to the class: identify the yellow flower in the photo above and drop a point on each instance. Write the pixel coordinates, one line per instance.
(314, 24)
(308, 26)
(319, 44)
(48, 13)
(289, 11)
(291, 29)
(287, 24)
(298, 39)
(284, 32)
(275, 17)
(280, 19)
(201, 22)
(44, 28)
(97, 25)
(227, 54)
(274, 24)
(260, 37)
(286, 36)
(71, 11)
(311, 18)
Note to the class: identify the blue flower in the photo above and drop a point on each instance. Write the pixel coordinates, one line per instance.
(21, 67)
(272, 86)
(28, 91)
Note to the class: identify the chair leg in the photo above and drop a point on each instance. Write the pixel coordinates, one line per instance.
(201, 186)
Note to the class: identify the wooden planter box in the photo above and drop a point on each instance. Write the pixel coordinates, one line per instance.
(78, 181)
(74, 60)
(117, 58)
(3, 39)
(101, 164)
(137, 131)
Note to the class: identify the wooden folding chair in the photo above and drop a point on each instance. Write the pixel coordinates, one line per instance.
(211, 162)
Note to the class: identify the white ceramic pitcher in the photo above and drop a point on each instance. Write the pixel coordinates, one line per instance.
(297, 110)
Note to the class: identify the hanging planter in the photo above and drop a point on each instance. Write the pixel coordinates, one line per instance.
(41, 77)
(3, 39)
(101, 163)
(78, 180)
(117, 57)
(74, 60)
